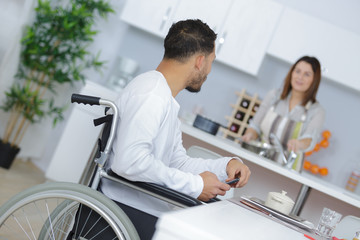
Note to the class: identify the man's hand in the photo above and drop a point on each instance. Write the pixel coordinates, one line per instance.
(237, 169)
(212, 186)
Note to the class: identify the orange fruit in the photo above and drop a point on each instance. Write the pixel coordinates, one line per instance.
(317, 147)
(307, 165)
(324, 143)
(323, 171)
(308, 153)
(314, 169)
(326, 134)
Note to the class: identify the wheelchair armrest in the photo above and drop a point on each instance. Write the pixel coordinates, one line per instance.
(159, 190)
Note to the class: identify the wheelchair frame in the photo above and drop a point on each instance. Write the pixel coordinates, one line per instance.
(15, 211)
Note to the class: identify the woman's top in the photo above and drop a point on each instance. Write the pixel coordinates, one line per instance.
(312, 126)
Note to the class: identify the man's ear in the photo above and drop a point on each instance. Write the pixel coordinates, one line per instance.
(199, 62)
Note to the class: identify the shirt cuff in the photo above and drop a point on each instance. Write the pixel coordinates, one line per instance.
(200, 186)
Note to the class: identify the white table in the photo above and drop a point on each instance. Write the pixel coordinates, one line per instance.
(307, 180)
(222, 220)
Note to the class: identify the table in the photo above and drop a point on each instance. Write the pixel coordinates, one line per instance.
(223, 220)
(307, 180)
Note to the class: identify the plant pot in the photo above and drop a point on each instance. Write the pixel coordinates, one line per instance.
(7, 154)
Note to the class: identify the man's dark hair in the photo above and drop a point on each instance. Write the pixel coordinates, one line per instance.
(185, 38)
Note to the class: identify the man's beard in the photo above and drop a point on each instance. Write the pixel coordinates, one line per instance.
(196, 82)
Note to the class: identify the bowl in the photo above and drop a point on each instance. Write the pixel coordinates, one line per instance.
(279, 202)
(206, 124)
(263, 149)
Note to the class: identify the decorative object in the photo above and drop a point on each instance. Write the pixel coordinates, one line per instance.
(53, 53)
(314, 168)
(279, 202)
(243, 111)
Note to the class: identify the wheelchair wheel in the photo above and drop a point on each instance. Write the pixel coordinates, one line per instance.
(50, 211)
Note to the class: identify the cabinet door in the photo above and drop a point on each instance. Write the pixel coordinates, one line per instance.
(150, 15)
(246, 34)
(212, 12)
(338, 50)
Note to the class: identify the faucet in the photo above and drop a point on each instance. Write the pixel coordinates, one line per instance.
(288, 163)
(279, 147)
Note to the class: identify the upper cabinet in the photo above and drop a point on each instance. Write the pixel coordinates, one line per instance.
(244, 27)
(153, 16)
(246, 34)
(212, 12)
(248, 29)
(338, 50)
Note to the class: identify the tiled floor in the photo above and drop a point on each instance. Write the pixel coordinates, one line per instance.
(21, 175)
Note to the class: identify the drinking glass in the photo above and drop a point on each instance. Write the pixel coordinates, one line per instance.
(327, 223)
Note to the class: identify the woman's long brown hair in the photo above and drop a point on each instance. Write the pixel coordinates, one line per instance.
(310, 94)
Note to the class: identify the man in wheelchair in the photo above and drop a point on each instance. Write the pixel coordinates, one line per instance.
(148, 141)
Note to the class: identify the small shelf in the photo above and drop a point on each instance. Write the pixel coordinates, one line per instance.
(243, 111)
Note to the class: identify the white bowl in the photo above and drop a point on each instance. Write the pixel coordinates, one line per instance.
(280, 202)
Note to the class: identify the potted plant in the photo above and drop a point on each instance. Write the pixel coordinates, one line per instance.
(53, 52)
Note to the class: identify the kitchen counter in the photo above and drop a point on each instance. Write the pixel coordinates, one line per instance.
(223, 220)
(304, 178)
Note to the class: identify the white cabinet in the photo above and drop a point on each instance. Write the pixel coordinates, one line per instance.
(150, 15)
(246, 34)
(338, 50)
(212, 12)
(244, 27)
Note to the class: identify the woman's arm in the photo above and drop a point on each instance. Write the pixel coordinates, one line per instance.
(298, 145)
(311, 132)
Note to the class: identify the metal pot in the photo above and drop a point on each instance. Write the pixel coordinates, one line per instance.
(206, 124)
(263, 149)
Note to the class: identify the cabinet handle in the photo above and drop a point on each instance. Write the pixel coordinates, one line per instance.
(221, 42)
(165, 18)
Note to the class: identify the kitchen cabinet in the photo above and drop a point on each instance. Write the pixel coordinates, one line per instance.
(212, 12)
(244, 27)
(153, 16)
(338, 50)
(246, 33)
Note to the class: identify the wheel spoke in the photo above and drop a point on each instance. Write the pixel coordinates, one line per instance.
(20, 225)
(53, 210)
(27, 220)
(51, 227)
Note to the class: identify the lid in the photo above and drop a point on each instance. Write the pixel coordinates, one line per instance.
(282, 196)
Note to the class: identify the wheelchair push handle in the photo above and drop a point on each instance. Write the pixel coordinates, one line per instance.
(78, 98)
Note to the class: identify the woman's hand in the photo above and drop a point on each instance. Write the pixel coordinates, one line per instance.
(298, 145)
(249, 135)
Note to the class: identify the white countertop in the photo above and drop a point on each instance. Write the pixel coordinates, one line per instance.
(222, 220)
(303, 178)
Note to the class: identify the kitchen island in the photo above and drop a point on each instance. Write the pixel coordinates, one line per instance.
(225, 220)
(328, 193)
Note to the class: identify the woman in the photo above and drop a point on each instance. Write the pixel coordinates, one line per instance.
(293, 114)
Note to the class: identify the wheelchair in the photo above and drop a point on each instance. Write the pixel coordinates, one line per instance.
(51, 210)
